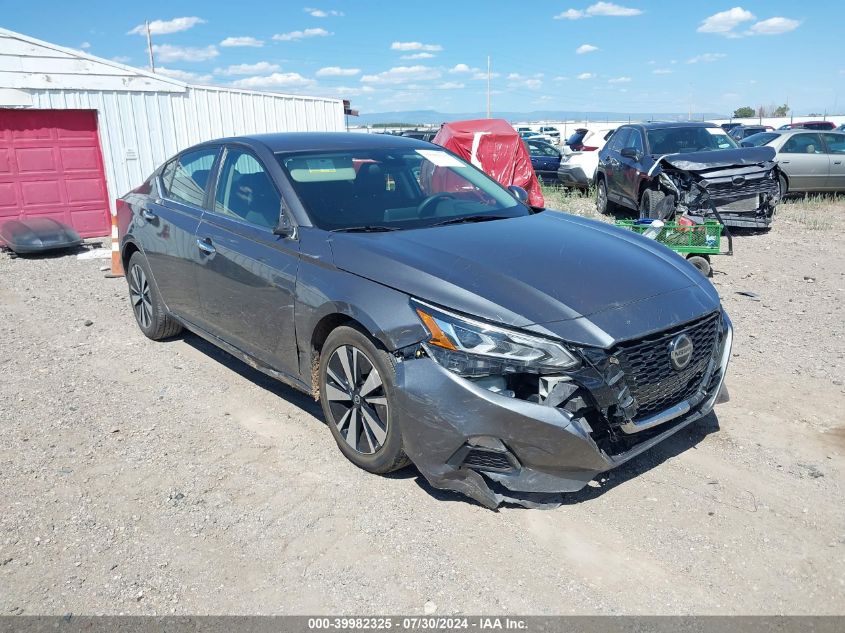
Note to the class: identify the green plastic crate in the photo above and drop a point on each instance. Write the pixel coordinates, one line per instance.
(700, 238)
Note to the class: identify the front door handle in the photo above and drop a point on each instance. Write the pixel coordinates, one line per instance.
(837, 162)
(206, 247)
(148, 215)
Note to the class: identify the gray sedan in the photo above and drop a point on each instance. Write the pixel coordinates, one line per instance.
(808, 160)
(504, 350)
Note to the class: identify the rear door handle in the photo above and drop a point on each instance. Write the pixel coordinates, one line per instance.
(206, 247)
(837, 162)
(148, 215)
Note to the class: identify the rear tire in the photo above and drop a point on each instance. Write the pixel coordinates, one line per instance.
(147, 306)
(603, 203)
(357, 393)
(702, 263)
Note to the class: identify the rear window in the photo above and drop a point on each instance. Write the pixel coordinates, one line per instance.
(577, 138)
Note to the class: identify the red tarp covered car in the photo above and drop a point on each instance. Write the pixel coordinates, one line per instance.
(493, 146)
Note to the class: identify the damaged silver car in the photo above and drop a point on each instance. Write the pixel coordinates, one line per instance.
(506, 351)
(660, 169)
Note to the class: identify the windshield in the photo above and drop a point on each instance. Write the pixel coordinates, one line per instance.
(675, 140)
(759, 139)
(393, 188)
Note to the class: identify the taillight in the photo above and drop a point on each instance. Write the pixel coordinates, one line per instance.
(588, 148)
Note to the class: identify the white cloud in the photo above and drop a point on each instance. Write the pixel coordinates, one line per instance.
(337, 71)
(242, 41)
(183, 75)
(323, 13)
(462, 68)
(611, 9)
(586, 48)
(350, 91)
(561, 78)
(402, 74)
(168, 53)
(85, 45)
(121, 59)
(706, 58)
(300, 35)
(602, 9)
(418, 56)
(586, 76)
(248, 69)
(275, 80)
(451, 85)
(415, 46)
(619, 80)
(774, 26)
(570, 14)
(164, 27)
(661, 71)
(724, 22)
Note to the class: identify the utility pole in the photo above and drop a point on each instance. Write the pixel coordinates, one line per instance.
(150, 47)
(488, 86)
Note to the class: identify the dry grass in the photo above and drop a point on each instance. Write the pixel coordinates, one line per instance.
(814, 212)
(575, 201)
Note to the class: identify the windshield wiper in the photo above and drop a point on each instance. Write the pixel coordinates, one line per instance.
(472, 218)
(367, 228)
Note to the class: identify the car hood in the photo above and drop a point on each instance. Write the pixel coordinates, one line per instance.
(538, 269)
(718, 159)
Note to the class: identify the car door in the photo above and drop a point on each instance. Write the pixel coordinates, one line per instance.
(803, 159)
(612, 164)
(630, 167)
(247, 275)
(835, 150)
(166, 228)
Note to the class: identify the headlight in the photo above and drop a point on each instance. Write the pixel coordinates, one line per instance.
(473, 348)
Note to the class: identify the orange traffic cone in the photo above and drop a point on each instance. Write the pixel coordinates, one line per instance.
(116, 264)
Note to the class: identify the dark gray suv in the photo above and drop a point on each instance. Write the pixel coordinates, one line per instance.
(503, 350)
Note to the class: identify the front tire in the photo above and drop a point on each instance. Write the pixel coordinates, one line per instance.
(357, 394)
(783, 186)
(147, 306)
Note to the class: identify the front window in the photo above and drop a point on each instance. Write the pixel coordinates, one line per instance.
(676, 140)
(394, 189)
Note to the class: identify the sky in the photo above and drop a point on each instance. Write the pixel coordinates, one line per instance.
(635, 56)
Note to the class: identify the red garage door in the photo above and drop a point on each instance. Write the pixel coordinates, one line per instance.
(50, 165)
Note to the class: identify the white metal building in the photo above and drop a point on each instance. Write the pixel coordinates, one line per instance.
(78, 131)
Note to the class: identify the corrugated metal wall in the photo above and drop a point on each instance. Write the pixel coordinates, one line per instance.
(140, 130)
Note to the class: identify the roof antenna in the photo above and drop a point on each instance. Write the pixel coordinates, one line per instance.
(150, 46)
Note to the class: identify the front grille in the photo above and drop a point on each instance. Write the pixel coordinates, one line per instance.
(487, 460)
(727, 190)
(654, 384)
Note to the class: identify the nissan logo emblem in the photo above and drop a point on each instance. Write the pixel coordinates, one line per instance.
(680, 351)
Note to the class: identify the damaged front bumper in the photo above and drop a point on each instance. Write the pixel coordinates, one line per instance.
(494, 448)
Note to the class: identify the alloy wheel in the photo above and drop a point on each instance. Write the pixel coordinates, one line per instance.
(139, 293)
(601, 197)
(357, 399)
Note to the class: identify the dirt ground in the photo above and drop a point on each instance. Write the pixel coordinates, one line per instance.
(153, 478)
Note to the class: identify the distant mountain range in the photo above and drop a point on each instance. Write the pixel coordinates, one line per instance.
(433, 117)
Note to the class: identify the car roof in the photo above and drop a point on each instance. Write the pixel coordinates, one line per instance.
(662, 125)
(323, 141)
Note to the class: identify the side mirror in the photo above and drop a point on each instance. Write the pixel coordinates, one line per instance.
(519, 193)
(285, 227)
(630, 152)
